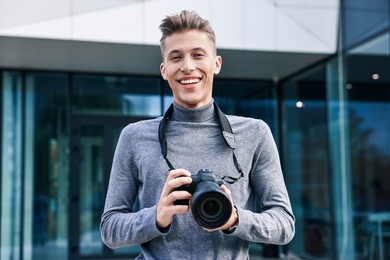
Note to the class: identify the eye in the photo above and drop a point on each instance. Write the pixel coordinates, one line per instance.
(199, 55)
(175, 58)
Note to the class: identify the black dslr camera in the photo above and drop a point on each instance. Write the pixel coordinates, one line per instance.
(210, 206)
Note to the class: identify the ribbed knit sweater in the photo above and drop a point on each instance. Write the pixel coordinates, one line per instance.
(195, 142)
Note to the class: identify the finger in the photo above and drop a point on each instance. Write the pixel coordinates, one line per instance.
(210, 230)
(226, 190)
(165, 213)
(179, 195)
(181, 209)
(177, 173)
(166, 208)
(172, 185)
(174, 180)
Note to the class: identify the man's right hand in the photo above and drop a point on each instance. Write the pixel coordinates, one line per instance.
(166, 208)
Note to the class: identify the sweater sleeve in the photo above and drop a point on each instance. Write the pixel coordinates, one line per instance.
(275, 224)
(120, 226)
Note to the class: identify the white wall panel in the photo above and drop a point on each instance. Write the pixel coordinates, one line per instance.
(306, 29)
(116, 24)
(259, 25)
(227, 21)
(316, 3)
(291, 36)
(277, 25)
(307, 25)
(14, 13)
(59, 28)
(83, 6)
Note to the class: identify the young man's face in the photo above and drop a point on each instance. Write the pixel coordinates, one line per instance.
(189, 65)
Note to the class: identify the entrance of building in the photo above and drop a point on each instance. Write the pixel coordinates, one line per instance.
(93, 142)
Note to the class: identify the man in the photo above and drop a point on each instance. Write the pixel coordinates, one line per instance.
(191, 132)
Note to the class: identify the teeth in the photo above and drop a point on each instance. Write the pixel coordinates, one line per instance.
(189, 81)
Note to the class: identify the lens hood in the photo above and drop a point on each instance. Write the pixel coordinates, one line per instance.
(210, 206)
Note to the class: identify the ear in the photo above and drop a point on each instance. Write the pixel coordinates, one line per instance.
(218, 64)
(163, 71)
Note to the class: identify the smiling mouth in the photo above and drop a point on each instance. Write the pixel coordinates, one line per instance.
(189, 81)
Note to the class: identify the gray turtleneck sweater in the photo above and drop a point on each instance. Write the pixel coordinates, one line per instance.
(195, 142)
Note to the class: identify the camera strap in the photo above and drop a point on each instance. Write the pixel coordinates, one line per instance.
(227, 134)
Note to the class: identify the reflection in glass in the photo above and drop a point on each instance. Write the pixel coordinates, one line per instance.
(11, 172)
(96, 146)
(305, 162)
(368, 96)
(363, 19)
(116, 95)
(46, 176)
(91, 188)
(256, 99)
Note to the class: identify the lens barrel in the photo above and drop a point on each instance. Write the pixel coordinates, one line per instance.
(210, 206)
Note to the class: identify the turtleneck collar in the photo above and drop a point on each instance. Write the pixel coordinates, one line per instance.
(197, 115)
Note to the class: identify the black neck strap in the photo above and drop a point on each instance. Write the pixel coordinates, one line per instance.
(227, 134)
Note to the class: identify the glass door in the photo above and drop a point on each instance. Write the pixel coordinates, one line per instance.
(92, 148)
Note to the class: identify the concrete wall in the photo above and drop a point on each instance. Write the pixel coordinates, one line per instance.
(261, 25)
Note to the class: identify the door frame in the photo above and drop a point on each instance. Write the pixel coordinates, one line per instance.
(76, 122)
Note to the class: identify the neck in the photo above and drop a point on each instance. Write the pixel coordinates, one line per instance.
(200, 114)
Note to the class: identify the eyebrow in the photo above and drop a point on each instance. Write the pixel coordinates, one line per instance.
(199, 49)
(193, 49)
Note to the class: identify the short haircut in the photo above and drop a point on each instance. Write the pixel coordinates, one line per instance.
(185, 21)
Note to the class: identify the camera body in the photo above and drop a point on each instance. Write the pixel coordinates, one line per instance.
(210, 206)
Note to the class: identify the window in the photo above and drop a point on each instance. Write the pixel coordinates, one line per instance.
(116, 95)
(368, 110)
(363, 19)
(305, 162)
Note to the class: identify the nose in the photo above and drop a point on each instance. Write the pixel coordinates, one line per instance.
(187, 66)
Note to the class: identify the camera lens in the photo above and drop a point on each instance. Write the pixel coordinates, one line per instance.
(211, 209)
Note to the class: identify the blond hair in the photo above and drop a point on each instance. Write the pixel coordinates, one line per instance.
(185, 21)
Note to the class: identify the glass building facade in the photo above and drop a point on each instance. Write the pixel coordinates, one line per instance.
(58, 131)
